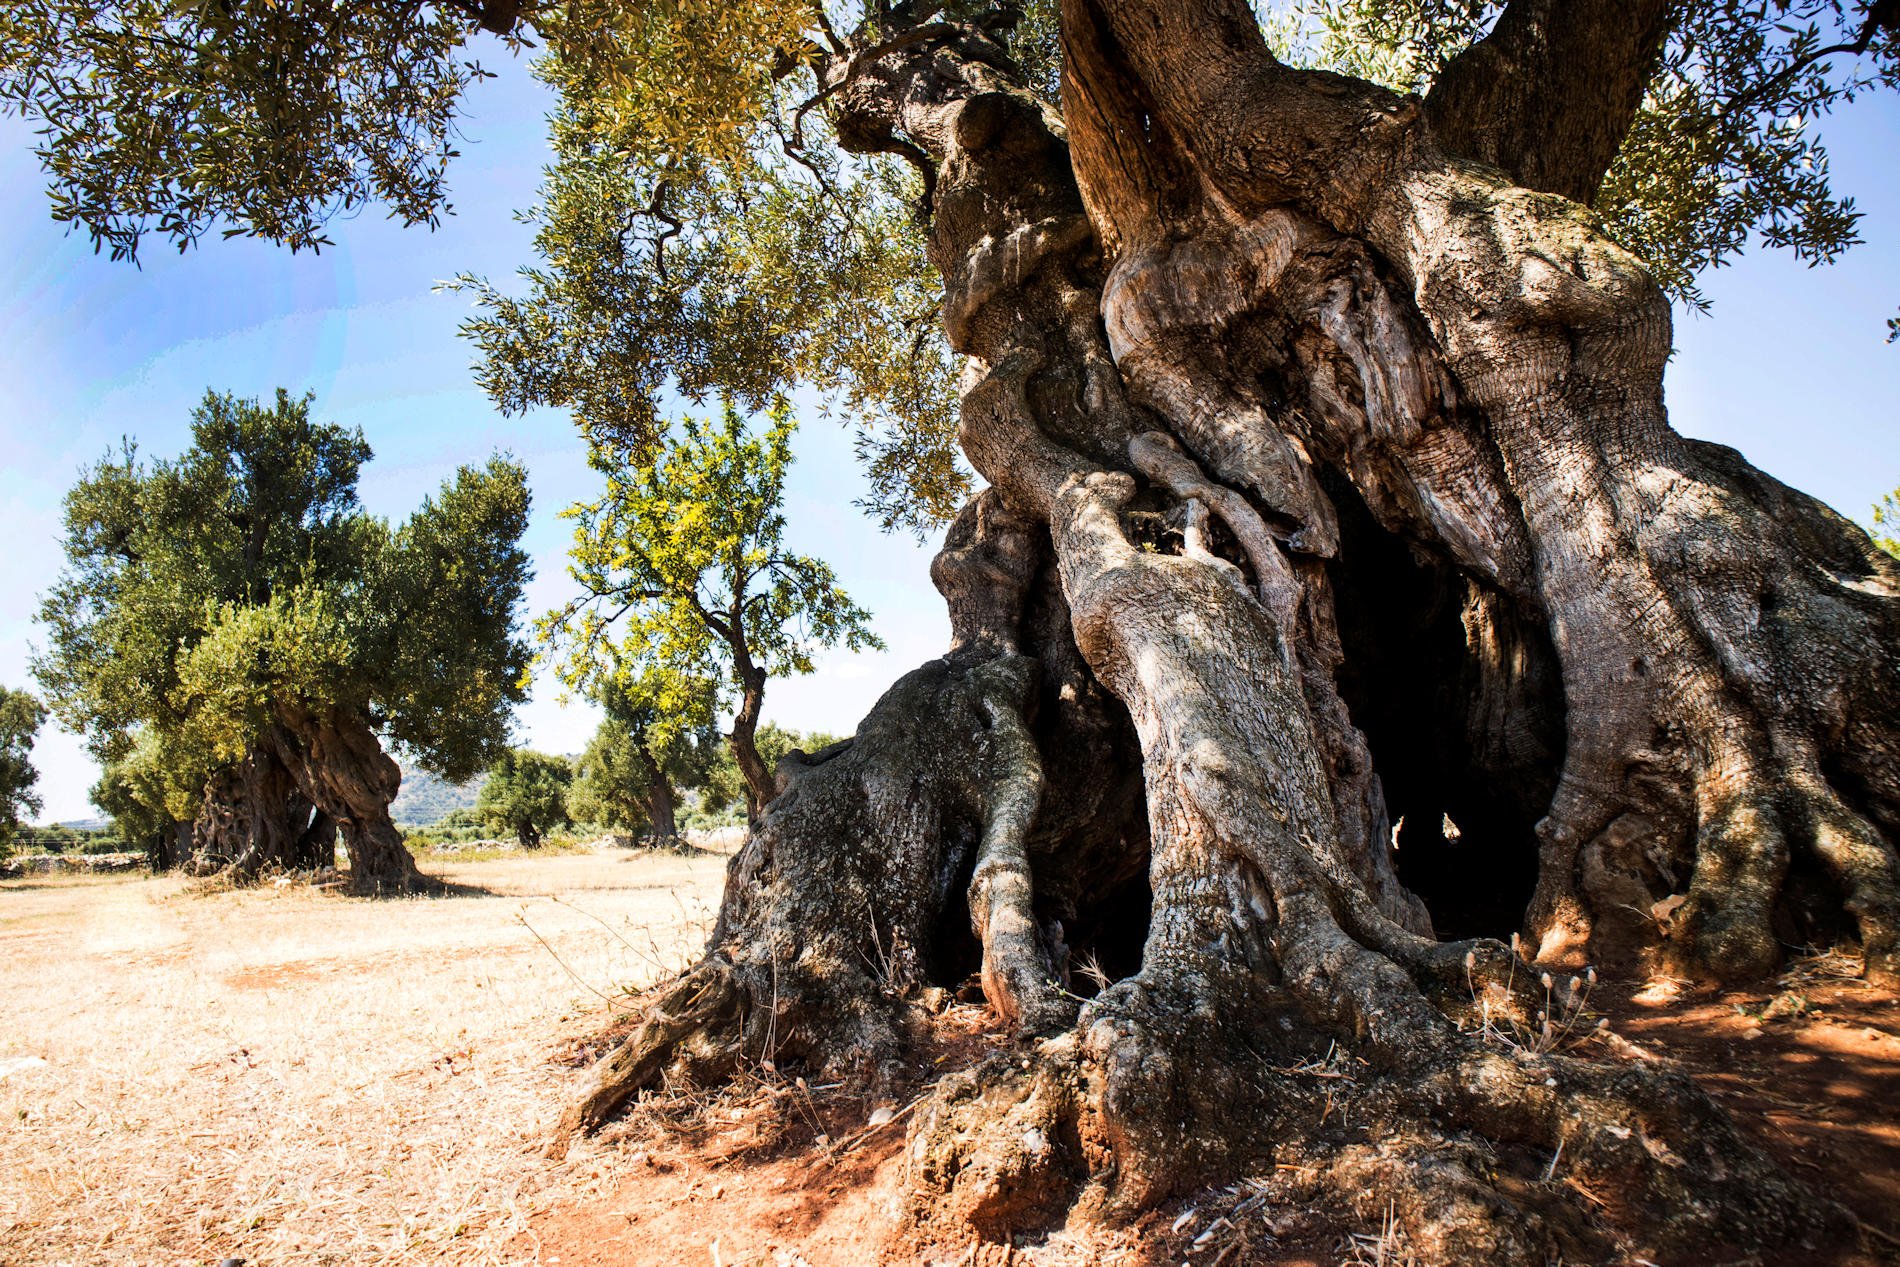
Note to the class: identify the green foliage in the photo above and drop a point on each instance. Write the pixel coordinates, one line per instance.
(242, 587)
(1887, 523)
(701, 228)
(266, 116)
(692, 144)
(63, 839)
(702, 233)
(526, 793)
(637, 742)
(449, 587)
(20, 718)
(685, 560)
(1726, 146)
(146, 789)
(722, 793)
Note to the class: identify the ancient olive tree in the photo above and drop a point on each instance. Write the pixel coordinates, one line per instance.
(656, 740)
(20, 718)
(1329, 487)
(238, 638)
(526, 793)
(685, 578)
(137, 789)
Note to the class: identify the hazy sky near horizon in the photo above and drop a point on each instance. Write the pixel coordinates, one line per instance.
(1791, 369)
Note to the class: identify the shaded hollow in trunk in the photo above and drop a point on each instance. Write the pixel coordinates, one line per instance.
(1459, 697)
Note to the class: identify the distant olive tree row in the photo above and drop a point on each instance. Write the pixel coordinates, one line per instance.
(627, 781)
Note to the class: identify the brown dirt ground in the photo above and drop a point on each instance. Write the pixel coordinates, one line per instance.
(1810, 1067)
(291, 1076)
(294, 1077)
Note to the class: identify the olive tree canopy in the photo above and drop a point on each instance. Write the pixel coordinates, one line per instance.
(237, 637)
(20, 718)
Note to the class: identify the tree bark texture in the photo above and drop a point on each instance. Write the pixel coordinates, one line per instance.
(658, 799)
(281, 808)
(1340, 589)
(169, 847)
(251, 820)
(341, 769)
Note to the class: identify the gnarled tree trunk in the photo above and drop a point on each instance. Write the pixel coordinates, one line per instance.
(248, 821)
(315, 774)
(342, 770)
(1330, 486)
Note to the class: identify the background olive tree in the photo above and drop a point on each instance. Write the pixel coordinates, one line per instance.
(656, 741)
(526, 793)
(686, 582)
(20, 718)
(237, 638)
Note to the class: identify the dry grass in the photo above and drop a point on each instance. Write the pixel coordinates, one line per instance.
(290, 1076)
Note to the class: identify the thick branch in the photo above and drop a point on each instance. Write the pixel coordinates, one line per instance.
(1549, 94)
(1161, 460)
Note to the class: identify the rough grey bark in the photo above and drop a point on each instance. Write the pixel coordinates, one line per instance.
(341, 769)
(1252, 351)
(313, 775)
(657, 798)
(248, 820)
(282, 807)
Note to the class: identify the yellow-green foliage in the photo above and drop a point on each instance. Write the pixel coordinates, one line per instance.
(685, 579)
(1887, 523)
(701, 233)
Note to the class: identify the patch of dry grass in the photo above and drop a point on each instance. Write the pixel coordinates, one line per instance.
(291, 1076)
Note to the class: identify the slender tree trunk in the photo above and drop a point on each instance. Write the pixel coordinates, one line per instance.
(760, 784)
(1330, 487)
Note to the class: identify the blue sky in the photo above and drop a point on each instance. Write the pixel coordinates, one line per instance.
(1791, 369)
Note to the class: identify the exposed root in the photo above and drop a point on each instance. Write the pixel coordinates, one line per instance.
(1018, 979)
(702, 1007)
(1474, 1153)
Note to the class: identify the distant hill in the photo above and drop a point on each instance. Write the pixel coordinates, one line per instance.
(425, 799)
